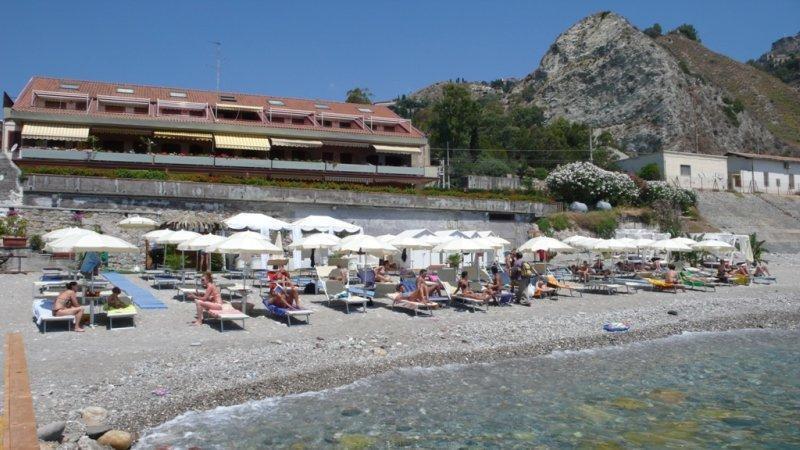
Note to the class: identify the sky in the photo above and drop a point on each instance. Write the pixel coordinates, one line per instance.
(320, 49)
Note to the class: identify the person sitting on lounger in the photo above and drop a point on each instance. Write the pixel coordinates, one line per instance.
(463, 287)
(584, 271)
(761, 270)
(543, 289)
(722, 274)
(284, 280)
(211, 298)
(743, 270)
(671, 276)
(434, 284)
(66, 304)
(381, 272)
(422, 285)
(113, 301)
(495, 286)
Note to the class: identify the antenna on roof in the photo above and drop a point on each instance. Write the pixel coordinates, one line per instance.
(218, 54)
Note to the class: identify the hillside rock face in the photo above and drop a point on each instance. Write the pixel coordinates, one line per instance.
(783, 60)
(604, 72)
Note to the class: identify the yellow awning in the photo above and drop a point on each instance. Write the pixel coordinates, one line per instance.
(395, 149)
(182, 135)
(296, 143)
(241, 142)
(54, 132)
(238, 107)
(127, 131)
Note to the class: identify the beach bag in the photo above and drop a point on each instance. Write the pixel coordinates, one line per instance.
(527, 270)
(530, 291)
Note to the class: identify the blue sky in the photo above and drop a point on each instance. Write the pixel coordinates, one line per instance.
(319, 49)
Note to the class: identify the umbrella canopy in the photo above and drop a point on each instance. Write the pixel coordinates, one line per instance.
(137, 223)
(366, 244)
(65, 232)
(177, 237)
(200, 242)
(256, 222)
(156, 234)
(644, 243)
(94, 242)
(613, 245)
(325, 223)
(201, 222)
(245, 243)
(685, 241)
(315, 242)
(464, 245)
(670, 245)
(279, 241)
(584, 242)
(496, 240)
(488, 243)
(434, 239)
(387, 238)
(410, 243)
(713, 245)
(544, 243)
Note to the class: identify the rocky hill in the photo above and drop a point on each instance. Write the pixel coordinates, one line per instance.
(653, 94)
(783, 60)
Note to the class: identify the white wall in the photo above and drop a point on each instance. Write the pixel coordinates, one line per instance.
(778, 176)
(706, 171)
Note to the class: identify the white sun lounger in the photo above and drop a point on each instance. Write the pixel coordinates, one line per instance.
(43, 313)
(399, 302)
(470, 303)
(227, 313)
(336, 292)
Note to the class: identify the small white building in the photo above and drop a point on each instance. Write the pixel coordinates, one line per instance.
(750, 172)
(687, 170)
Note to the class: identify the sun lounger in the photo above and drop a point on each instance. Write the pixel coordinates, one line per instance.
(162, 281)
(662, 285)
(336, 292)
(695, 283)
(227, 313)
(112, 314)
(398, 301)
(608, 288)
(236, 288)
(554, 283)
(43, 313)
(288, 314)
(471, 303)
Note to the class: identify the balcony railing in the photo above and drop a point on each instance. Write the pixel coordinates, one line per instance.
(210, 161)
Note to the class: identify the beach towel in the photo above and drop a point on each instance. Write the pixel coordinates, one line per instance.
(43, 310)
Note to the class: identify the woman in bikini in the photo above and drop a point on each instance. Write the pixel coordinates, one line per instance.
(211, 298)
(463, 287)
(381, 272)
(66, 304)
(290, 291)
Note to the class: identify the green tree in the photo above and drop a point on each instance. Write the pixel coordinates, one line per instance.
(359, 95)
(688, 31)
(650, 172)
(653, 31)
(454, 119)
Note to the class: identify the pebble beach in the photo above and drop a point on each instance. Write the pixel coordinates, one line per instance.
(165, 367)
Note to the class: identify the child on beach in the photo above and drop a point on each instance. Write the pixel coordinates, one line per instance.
(113, 301)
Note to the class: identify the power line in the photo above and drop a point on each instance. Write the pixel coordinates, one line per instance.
(513, 150)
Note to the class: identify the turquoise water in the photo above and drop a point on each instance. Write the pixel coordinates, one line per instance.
(736, 389)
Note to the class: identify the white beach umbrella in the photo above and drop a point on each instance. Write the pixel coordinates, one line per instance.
(256, 222)
(317, 241)
(644, 243)
(488, 243)
(364, 243)
(245, 243)
(177, 237)
(65, 232)
(410, 243)
(670, 245)
(387, 238)
(137, 223)
(544, 243)
(613, 245)
(496, 240)
(93, 242)
(200, 242)
(462, 245)
(685, 241)
(713, 245)
(155, 234)
(325, 224)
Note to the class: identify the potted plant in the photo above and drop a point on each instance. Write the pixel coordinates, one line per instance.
(13, 229)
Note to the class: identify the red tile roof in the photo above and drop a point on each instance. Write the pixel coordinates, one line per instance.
(155, 93)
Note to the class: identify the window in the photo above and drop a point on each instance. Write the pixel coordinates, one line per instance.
(766, 179)
(501, 217)
(113, 146)
(276, 102)
(777, 182)
(327, 156)
(54, 104)
(124, 90)
(321, 106)
(298, 155)
(365, 110)
(197, 112)
(277, 119)
(346, 158)
(69, 86)
(298, 121)
(389, 128)
(227, 98)
(114, 109)
(238, 115)
(277, 153)
(327, 123)
(345, 124)
(141, 110)
(686, 170)
(170, 112)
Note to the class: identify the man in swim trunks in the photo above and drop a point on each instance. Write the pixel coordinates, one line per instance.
(66, 304)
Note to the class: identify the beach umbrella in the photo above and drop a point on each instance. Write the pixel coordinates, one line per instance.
(685, 241)
(200, 242)
(545, 243)
(324, 224)
(65, 232)
(496, 240)
(713, 245)
(316, 241)
(256, 222)
(410, 243)
(387, 238)
(364, 243)
(177, 237)
(463, 245)
(644, 243)
(613, 245)
(670, 245)
(137, 223)
(155, 234)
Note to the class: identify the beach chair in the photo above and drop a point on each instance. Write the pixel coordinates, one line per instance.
(287, 314)
(468, 302)
(559, 285)
(128, 312)
(664, 286)
(608, 288)
(335, 291)
(43, 314)
(165, 281)
(226, 314)
(410, 285)
(398, 301)
(696, 283)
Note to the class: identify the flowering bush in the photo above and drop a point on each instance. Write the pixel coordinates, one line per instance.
(585, 182)
(655, 191)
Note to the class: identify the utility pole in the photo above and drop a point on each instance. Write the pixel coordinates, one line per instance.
(591, 149)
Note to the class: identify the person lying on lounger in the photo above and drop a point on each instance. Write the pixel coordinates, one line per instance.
(463, 288)
(414, 296)
(284, 280)
(495, 286)
(66, 304)
(211, 298)
(543, 289)
(113, 301)
(381, 272)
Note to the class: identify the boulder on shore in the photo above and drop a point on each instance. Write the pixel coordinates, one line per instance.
(118, 439)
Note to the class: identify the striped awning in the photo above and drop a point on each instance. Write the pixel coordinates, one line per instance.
(182, 135)
(241, 142)
(232, 107)
(54, 132)
(127, 131)
(396, 149)
(296, 143)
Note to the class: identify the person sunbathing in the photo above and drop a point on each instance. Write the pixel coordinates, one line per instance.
(210, 300)
(584, 272)
(463, 287)
(422, 285)
(413, 296)
(381, 272)
(113, 301)
(495, 286)
(722, 274)
(761, 270)
(671, 276)
(434, 284)
(543, 289)
(284, 280)
(66, 304)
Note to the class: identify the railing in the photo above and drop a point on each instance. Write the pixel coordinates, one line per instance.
(210, 161)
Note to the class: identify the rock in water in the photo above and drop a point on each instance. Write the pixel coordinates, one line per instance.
(94, 415)
(119, 440)
(668, 396)
(51, 431)
(629, 403)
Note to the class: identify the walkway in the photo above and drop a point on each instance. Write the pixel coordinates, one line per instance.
(142, 297)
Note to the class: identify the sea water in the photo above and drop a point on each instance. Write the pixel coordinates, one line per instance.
(736, 389)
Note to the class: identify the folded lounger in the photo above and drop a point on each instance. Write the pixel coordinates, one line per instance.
(399, 301)
(227, 313)
(470, 303)
(287, 313)
(336, 292)
(43, 313)
(128, 312)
